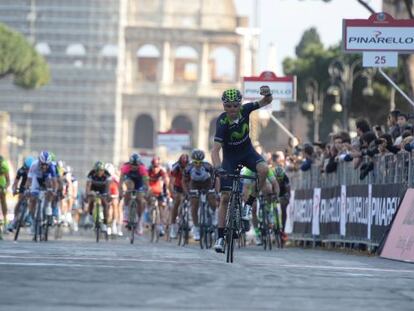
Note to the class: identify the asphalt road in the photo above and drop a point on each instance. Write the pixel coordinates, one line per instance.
(77, 274)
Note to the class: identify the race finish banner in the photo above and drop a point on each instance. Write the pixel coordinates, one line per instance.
(384, 204)
(330, 211)
(302, 211)
(380, 38)
(283, 88)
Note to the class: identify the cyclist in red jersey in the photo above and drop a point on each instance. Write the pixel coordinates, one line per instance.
(176, 189)
(157, 179)
(135, 176)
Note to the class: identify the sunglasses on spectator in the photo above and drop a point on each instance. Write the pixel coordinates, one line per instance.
(232, 105)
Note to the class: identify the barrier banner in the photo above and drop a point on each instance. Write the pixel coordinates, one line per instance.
(400, 241)
(330, 211)
(289, 213)
(357, 207)
(385, 200)
(315, 217)
(302, 211)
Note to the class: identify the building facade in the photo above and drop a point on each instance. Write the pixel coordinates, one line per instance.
(121, 71)
(180, 56)
(77, 115)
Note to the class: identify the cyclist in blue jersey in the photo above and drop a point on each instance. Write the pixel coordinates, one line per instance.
(42, 175)
(232, 136)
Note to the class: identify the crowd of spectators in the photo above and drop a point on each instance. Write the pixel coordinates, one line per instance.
(368, 143)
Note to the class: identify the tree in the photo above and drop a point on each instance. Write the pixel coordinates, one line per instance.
(398, 9)
(314, 62)
(309, 38)
(19, 59)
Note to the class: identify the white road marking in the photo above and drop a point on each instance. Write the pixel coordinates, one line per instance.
(196, 261)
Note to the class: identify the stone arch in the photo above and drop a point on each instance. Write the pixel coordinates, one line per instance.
(182, 123)
(186, 64)
(144, 132)
(148, 58)
(222, 65)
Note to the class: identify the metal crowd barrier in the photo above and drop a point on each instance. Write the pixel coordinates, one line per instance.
(388, 169)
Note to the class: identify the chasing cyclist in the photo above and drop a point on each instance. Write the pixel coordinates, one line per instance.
(176, 189)
(199, 176)
(158, 178)
(98, 182)
(134, 175)
(232, 135)
(19, 188)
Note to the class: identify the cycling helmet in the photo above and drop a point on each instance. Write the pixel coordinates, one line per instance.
(155, 161)
(183, 160)
(135, 159)
(231, 95)
(28, 161)
(110, 168)
(197, 155)
(45, 157)
(99, 166)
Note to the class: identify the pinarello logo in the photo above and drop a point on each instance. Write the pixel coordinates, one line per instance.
(377, 33)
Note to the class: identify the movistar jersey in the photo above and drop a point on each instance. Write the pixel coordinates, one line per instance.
(234, 136)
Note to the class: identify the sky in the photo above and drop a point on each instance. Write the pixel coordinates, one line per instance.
(283, 22)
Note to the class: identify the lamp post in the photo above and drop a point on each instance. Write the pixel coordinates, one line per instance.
(314, 104)
(343, 76)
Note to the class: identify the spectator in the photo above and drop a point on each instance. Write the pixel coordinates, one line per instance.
(307, 158)
(332, 164)
(394, 130)
(402, 121)
(362, 127)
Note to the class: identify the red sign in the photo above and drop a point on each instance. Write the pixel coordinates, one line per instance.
(400, 241)
(381, 32)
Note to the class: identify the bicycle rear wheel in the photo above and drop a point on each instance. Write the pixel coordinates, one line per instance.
(97, 223)
(132, 220)
(21, 218)
(38, 222)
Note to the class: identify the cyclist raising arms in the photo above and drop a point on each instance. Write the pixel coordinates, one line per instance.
(232, 135)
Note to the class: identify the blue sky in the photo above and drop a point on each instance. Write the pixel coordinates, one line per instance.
(284, 21)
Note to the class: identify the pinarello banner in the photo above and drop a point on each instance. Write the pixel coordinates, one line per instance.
(400, 241)
(302, 211)
(381, 32)
(330, 211)
(357, 211)
(282, 88)
(385, 200)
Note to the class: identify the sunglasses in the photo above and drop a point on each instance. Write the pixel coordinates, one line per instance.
(197, 161)
(231, 105)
